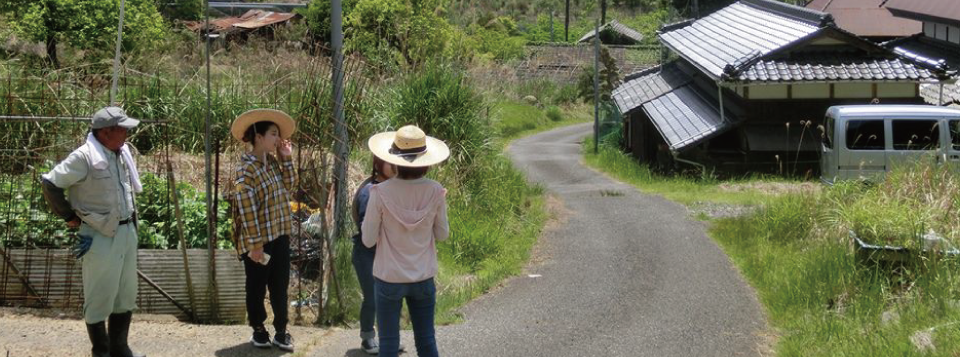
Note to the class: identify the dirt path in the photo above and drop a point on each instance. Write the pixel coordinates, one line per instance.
(23, 334)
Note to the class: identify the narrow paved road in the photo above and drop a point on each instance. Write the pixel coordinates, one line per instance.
(625, 274)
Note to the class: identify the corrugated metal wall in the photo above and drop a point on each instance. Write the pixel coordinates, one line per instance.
(56, 277)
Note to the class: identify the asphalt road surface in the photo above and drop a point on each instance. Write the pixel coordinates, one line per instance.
(622, 274)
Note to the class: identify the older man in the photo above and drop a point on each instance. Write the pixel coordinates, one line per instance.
(100, 179)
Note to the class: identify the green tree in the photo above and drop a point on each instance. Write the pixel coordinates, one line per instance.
(318, 14)
(398, 32)
(181, 9)
(609, 78)
(84, 24)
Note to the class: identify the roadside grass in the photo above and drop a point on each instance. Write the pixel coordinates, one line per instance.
(495, 216)
(795, 250)
(688, 190)
(515, 119)
(822, 301)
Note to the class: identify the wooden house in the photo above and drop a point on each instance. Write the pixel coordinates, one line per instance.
(748, 86)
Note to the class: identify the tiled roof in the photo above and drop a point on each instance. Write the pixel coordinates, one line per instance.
(927, 49)
(685, 118)
(866, 18)
(645, 86)
(617, 27)
(931, 94)
(943, 11)
(748, 28)
(833, 67)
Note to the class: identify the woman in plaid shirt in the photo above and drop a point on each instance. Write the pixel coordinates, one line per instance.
(263, 220)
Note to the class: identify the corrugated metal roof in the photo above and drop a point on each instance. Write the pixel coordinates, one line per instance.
(684, 118)
(944, 11)
(744, 29)
(833, 67)
(619, 28)
(252, 19)
(647, 85)
(868, 18)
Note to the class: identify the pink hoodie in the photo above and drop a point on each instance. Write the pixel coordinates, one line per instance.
(405, 219)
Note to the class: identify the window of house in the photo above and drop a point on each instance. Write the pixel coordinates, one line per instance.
(955, 133)
(865, 135)
(916, 134)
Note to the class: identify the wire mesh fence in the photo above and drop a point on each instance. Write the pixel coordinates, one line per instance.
(565, 63)
(45, 117)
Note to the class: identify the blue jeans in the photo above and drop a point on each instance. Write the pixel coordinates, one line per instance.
(363, 265)
(421, 300)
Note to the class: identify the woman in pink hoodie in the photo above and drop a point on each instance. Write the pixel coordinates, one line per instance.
(405, 218)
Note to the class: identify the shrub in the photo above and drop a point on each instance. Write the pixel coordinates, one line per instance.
(440, 101)
(397, 32)
(554, 114)
(158, 222)
(317, 16)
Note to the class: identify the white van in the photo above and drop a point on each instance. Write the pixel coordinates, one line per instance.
(866, 141)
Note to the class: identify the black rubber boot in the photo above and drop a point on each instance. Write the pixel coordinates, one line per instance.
(99, 339)
(119, 329)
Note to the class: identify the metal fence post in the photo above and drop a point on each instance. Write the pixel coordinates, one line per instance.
(596, 88)
(211, 246)
(340, 128)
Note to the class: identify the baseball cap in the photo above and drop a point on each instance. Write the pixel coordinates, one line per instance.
(112, 116)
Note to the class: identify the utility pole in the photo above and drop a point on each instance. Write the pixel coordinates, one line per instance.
(116, 58)
(566, 24)
(340, 147)
(696, 9)
(603, 12)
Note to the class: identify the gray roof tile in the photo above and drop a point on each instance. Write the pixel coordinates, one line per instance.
(931, 93)
(746, 28)
(645, 86)
(833, 67)
(684, 118)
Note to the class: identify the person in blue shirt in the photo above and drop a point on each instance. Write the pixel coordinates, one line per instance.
(363, 256)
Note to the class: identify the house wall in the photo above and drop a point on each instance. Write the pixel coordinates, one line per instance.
(853, 90)
(942, 32)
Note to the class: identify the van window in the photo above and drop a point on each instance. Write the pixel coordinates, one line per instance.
(955, 133)
(916, 134)
(827, 134)
(865, 135)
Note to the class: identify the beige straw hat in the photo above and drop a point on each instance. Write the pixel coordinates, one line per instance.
(408, 147)
(284, 122)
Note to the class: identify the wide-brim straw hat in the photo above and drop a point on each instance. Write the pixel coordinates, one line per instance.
(284, 122)
(408, 147)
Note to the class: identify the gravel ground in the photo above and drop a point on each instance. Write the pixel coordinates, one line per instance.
(33, 333)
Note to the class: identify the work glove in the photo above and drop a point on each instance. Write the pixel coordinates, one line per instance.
(82, 246)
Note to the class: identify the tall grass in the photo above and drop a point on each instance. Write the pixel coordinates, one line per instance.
(686, 189)
(495, 216)
(796, 252)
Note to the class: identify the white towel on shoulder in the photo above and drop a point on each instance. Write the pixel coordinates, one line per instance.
(98, 161)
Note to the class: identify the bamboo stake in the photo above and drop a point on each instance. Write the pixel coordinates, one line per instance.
(183, 241)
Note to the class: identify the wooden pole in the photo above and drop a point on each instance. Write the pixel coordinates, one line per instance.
(175, 196)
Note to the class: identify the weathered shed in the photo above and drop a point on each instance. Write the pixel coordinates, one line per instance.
(614, 33)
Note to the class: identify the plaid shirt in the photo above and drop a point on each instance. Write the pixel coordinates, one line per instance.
(262, 201)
